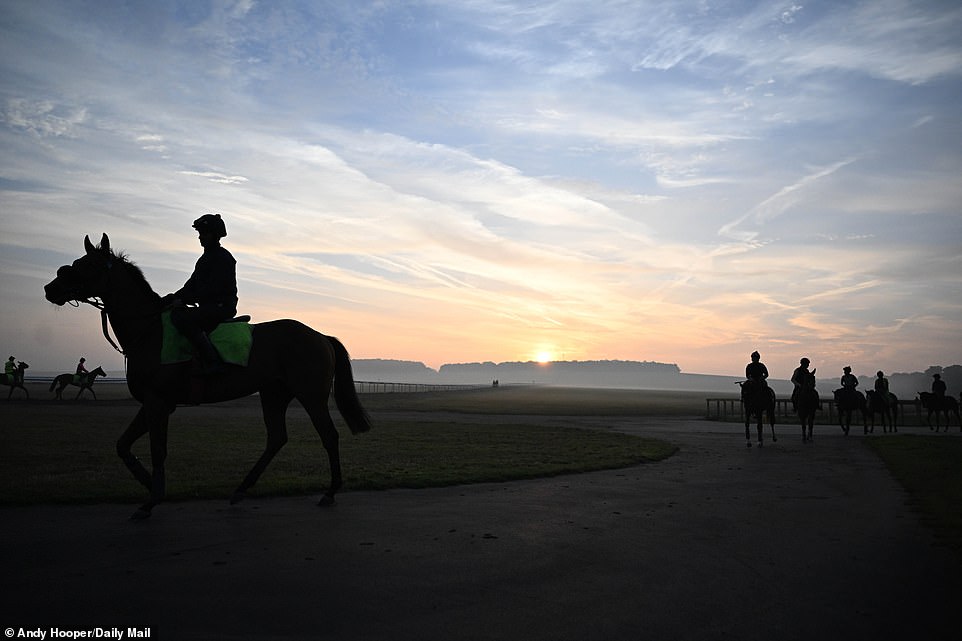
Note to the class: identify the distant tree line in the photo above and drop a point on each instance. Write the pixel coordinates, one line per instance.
(906, 384)
(619, 373)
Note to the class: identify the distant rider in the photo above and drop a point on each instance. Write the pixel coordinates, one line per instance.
(756, 370)
(849, 382)
(81, 369)
(10, 369)
(212, 287)
(938, 388)
(755, 374)
(802, 378)
(882, 387)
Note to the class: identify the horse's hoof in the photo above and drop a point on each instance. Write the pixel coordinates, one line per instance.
(327, 501)
(748, 444)
(237, 497)
(140, 514)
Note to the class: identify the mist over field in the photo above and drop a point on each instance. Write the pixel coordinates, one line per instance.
(626, 374)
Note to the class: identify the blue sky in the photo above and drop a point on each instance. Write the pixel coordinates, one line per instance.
(466, 181)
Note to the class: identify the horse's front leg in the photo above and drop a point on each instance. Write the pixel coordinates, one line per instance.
(153, 419)
(137, 428)
(158, 419)
(748, 431)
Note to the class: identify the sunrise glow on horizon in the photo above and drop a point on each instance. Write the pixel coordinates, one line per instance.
(512, 181)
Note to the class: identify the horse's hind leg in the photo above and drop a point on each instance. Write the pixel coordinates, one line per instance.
(274, 406)
(324, 424)
(748, 434)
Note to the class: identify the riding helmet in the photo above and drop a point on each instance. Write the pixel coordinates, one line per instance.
(210, 224)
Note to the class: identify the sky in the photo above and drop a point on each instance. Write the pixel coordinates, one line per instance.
(446, 182)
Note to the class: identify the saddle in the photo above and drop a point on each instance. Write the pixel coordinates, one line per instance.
(231, 338)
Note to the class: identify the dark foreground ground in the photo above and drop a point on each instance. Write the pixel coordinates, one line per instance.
(791, 541)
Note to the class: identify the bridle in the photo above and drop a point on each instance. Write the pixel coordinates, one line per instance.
(98, 303)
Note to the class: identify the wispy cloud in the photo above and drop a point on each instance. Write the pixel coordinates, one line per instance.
(778, 203)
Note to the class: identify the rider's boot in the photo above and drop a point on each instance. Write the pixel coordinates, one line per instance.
(210, 360)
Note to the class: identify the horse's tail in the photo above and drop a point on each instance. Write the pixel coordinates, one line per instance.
(345, 395)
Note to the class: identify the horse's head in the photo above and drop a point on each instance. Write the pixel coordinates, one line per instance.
(98, 372)
(85, 278)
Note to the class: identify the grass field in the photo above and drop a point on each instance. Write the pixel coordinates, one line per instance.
(63, 452)
(54, 452)
(928, 467)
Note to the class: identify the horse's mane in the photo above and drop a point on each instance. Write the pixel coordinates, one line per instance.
(135, 271)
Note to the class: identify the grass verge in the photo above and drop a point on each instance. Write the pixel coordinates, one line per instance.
(50, 462)
(928, 468)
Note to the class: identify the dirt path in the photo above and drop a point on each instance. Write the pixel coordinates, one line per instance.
(791, 541)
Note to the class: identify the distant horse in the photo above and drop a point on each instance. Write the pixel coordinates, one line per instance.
(807, 403)
(948, 406)
(83, 381)
(886, 408)
(756, 400)
(847, 401)
(15, 381)
(287, 360)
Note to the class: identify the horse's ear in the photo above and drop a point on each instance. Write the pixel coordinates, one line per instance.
(105, 243)
(89, 245)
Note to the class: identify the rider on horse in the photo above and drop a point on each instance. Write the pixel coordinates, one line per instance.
(882, 387)
(938, 388)
(212, 287)
(10, 369)
(801, 378)
(849, 381)
(755, 374)
(81, 369)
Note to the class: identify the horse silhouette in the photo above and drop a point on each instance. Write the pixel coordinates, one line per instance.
(83, 381)
(886, 408)
(848, 401)
(807, 403)
(15, 381)
(757, 399)
(288, 360)
(948, 406)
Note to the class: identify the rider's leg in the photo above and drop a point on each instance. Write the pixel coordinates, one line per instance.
(193, 322)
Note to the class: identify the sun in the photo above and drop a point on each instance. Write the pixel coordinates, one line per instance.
(544, 357)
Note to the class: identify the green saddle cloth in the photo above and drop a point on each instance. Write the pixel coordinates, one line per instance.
(232, 340)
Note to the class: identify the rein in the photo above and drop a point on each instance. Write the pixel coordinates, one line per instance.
(103, 322)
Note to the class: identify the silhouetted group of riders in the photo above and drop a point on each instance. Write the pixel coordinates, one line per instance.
(756, 374)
